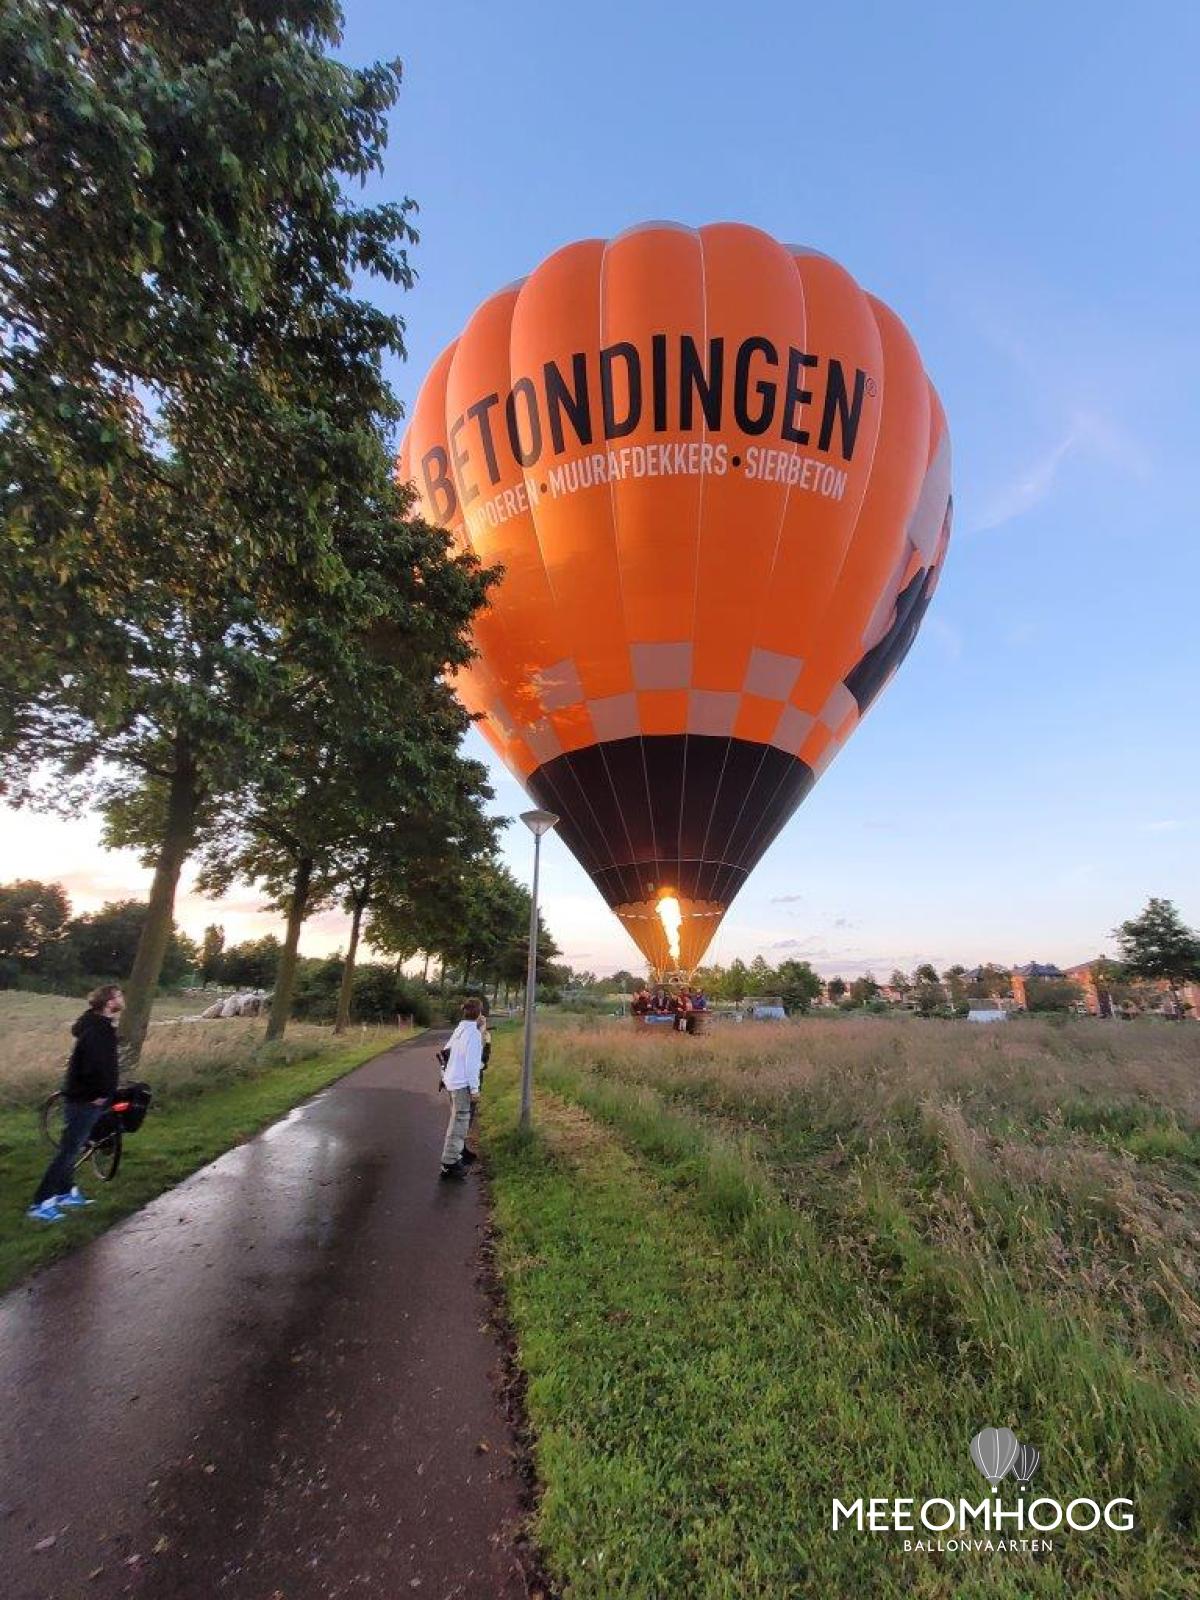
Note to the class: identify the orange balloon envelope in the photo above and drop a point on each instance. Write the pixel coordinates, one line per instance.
(718, 481)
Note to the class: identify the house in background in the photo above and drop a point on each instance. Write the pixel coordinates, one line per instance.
(1100, 1004)
(1044, 971)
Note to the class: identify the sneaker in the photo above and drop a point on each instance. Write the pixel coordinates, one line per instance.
(73, 1197)
(467, 1157)
(45, 1211)
(453, 1171)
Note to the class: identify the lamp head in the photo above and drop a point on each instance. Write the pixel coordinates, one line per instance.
(539, 822)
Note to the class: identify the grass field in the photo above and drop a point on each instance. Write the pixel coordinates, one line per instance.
(752, 1273)
(215, 1084)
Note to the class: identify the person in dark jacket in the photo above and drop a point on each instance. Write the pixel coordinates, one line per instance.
(90, 1084)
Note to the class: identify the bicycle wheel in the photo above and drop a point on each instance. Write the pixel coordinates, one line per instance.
(50, 1118)
(106, 1155)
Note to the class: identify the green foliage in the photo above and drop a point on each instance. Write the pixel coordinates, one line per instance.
(251, 964)
(798, 984)
(211, 950)
(1159, 946)
(207, 549)
(474, 917)
(1051, 994)
(33, 918)
(863, 990)
(104, 943)
(929, 996)
(380, 993)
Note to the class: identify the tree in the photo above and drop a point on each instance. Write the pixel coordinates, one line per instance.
(925, 973)
(622, 982)
(956, 988)
(373, 783)
(105, 943)
(195, 463)
(929, 995)
(251, 964)
(736, 984)
(835, 989)
(992, 982)
(798, 985)
(210, 953)
(863, 990)
(1159, 946)
(901, 983)
(33, 918)
(1051, 994)
(762, 978)
(392, 853)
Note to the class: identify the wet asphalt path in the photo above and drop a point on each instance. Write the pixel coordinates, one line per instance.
(274, 1383)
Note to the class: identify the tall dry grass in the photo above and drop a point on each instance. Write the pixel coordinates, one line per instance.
(180, 1059)
(941, 1158)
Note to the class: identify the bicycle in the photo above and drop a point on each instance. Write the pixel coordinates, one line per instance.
(105, 1143)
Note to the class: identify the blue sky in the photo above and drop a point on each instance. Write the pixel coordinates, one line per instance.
(1019, 182)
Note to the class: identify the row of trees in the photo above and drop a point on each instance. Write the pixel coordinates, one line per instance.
(220, 622)
(41, 941)
(1156, 951)
(43, 945)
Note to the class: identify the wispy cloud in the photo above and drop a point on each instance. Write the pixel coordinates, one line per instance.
(786, 899)
(1029, 488)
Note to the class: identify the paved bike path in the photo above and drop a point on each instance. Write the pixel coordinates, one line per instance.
(272, 1383)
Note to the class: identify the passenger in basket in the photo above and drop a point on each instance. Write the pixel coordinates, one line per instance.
(460, 1076)
(681, 1005)
(90, 1084)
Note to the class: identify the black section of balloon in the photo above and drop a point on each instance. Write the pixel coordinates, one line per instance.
(866, 679)
(687, 812)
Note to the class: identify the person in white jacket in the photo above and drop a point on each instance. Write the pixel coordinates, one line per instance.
(460, 1077)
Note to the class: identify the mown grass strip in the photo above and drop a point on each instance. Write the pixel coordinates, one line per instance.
(705, 1374)
(177, 1137)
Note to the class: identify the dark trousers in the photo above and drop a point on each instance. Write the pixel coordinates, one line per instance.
(79, 1118)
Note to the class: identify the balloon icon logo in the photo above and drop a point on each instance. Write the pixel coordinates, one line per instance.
(994, 1450)
(1026, 1463)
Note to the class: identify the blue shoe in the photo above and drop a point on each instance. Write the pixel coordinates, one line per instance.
(73, 1197)
(47, 1211)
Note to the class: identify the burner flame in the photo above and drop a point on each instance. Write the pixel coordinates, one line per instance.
(670, 914)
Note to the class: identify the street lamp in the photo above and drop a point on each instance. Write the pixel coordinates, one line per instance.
(538, 823)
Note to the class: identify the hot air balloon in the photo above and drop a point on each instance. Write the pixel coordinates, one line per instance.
(1026, 1462)
(994, 1450)
(717, 479)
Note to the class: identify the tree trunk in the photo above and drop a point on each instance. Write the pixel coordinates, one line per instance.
(346, 993)
(285, 981)
(183, 804)
(425, 974)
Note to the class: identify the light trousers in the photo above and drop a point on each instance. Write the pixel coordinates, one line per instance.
(456, 1128)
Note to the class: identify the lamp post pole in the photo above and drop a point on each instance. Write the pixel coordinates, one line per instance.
(538, 823)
